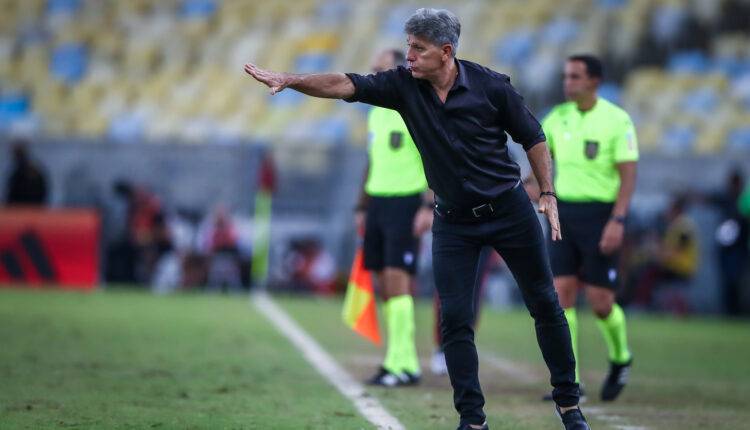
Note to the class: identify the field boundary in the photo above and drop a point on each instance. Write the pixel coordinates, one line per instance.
(324, 363)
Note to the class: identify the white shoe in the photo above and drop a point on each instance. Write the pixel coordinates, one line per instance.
(437, 363)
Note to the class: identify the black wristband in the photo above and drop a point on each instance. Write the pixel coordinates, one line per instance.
(548, 193)
(618, 218)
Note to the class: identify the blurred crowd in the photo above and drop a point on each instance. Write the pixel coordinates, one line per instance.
(170, 250)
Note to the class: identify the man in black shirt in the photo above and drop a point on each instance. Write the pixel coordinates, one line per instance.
(458, 113)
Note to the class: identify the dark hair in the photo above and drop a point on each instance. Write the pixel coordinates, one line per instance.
(593, 64)
(399, 58)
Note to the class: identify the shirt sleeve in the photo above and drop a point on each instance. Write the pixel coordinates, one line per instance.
(626, 142)
(517, 119)
(379, 89)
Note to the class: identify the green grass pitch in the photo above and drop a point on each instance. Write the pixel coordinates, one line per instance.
(129, 360)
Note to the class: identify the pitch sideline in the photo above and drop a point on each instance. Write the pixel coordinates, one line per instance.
(366, 404)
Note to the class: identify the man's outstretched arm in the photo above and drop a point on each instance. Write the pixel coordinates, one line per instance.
(325, 85)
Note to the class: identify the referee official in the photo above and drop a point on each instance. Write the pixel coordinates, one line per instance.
(594, 147)
(458, 113)
(392, 216)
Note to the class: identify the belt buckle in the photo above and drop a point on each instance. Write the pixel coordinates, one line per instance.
(476, 210)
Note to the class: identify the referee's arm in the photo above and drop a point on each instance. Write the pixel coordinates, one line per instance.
(614, 230)
(627, 172)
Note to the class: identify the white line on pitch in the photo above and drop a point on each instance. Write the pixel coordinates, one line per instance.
(367, 405)
(513, 370)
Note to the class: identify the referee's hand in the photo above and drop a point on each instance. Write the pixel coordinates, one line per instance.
(548, 206)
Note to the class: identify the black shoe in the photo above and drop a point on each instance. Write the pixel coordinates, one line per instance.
(469, 427)
(411, 378)
(573, 419)
(386, 379)
(581, 398)
(616, 380)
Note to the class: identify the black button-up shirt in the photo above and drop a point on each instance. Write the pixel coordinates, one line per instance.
(463, 141)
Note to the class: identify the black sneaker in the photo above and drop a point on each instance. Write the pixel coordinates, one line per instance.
(616, 380)
(386, 379)
(581, 399)
(573, 419)
(411, 378)
(469, 427)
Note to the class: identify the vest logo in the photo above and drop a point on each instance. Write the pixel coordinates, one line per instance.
(591, 149)
(397, 139)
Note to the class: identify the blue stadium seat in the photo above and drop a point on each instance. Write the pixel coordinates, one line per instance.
(611, 91)
(560, 31)
(667, 21)
(69, 62)
(689, 62)
(198, 8)
(63, 7)
(731, 66)
(313, 62)
(14, 105)
(286, 99)
(611, 4)
(393, 24)
(678, 139)
(515, 48)
(332, 13)
(700, 101)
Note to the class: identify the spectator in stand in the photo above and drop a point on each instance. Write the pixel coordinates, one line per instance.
(676, 257)
(221, 246)
(27, 184)
(732, 237)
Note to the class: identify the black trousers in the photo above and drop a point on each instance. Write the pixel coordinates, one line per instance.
(514, 231)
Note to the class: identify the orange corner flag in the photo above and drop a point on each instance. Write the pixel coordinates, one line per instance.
(359, 312)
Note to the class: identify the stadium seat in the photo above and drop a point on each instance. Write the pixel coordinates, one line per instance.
(121, 59)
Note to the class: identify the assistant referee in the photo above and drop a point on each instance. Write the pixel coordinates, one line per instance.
(391, 215)
(594, 147)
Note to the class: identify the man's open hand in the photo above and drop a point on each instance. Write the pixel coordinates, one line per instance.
(275, 80)
(548, 206)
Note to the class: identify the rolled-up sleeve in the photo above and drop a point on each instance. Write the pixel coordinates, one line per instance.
(517, 119)
(379, 89)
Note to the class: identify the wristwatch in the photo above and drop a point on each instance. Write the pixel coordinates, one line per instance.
(618, 218)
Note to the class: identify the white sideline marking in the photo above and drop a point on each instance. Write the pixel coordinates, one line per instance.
(367, 405)
(509, 368)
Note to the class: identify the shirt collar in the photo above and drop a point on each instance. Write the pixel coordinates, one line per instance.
(462, 81)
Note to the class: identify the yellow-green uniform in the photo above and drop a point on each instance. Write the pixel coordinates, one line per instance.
(394, 184)
(395, 164)
(586, 148)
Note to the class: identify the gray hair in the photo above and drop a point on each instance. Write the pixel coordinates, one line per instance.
(438, 26)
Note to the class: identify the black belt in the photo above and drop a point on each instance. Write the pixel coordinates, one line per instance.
(476, 213)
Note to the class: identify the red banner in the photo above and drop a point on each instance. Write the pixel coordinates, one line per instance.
(55, 247)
